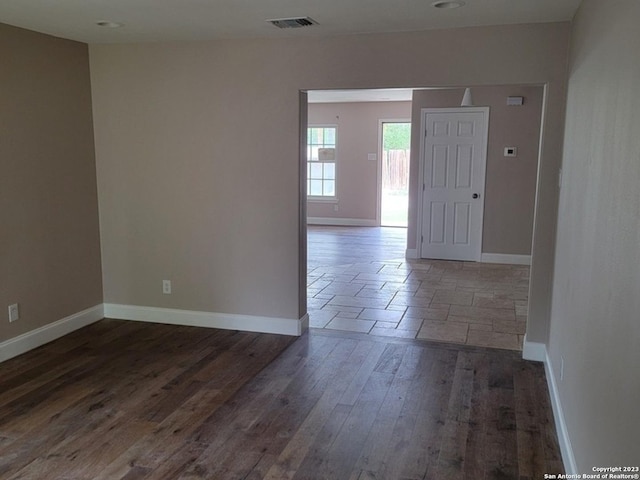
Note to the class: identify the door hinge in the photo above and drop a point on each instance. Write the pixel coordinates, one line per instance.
(423, 187)
(421, 238)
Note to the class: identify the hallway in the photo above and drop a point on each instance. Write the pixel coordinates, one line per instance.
(358, 280)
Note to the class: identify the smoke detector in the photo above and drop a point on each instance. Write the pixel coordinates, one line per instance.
(295, 22)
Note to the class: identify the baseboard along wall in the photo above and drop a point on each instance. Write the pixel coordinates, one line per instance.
(227, 321)
(342, 222)
(507, 259)
(47, 333)
(538, 352)
(411, 253)
(43, 335)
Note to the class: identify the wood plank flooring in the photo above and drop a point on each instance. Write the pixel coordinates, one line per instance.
(126, 400)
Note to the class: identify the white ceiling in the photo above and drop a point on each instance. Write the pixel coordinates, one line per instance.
(178, 20)
(362, 95)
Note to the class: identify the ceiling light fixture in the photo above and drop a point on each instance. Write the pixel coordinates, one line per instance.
(467, 99)
(447, 5)
(108, 24)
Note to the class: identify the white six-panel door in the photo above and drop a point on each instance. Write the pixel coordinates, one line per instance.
(453, 173)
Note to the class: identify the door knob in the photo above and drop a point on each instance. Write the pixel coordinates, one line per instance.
(475, 195)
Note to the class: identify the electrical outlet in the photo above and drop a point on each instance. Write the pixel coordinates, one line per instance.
(510, 151)
(335, 207)
(166, 287)
(14, 312)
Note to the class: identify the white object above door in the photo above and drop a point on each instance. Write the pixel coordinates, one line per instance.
(452, 171)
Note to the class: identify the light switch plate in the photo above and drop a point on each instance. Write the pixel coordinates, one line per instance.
(14, 312)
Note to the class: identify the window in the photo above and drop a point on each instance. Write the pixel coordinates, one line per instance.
(321, 162)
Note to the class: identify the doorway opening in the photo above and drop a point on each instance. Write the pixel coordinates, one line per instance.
(338, 299)
(394, 172)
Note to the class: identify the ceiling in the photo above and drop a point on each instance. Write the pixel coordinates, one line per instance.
(361, 95)
(184, 20)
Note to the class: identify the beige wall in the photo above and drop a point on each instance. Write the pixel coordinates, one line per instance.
(197, 151)
(49, 242)
(509, 199)
(596, 297)
(357, 177)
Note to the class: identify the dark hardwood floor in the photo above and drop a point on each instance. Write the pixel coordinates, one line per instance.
(126, 400)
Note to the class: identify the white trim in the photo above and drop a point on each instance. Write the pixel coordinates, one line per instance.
(506, 259)
(534, 351)
(304, 324)
(411, 253)
(317, 199)
(40, 336)
(227, 321)
(342, 222)
(562, 431)
(538, 352)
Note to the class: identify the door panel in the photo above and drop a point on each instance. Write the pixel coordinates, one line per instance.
(462, 221)
(454, 164)
(438, 222)
(463, 166)
(440, 166)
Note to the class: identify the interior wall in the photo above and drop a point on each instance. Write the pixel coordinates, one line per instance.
(197, 151)
(510, 187)
(595, 332)
(49, 243)
(357, 135)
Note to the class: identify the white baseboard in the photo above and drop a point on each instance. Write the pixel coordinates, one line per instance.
(411, 253)
(568, 459)
(342, 222)
(506, 259)
(538, 352)
(304, 323)
(40, 336)
(48, 333)
(227, 321)
(534, 351)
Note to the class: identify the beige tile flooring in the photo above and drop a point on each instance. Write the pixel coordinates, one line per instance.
(359, 281)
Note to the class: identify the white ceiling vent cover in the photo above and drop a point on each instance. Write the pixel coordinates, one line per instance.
(296, 22)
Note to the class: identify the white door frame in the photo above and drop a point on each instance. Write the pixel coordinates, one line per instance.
(423, 115)
(381, 121)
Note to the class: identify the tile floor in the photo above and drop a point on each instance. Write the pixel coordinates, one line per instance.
(358, 280)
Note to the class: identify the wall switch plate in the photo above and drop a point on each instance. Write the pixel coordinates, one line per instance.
(515, 101)
(510, 151)
(560, 178)
(335, 207)
(14, 312)
(166, 287)
(372, 157)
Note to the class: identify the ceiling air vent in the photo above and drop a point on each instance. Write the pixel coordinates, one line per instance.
(298, 22)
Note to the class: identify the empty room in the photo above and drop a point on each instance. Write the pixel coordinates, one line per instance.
(157, 270)
(373, 280)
